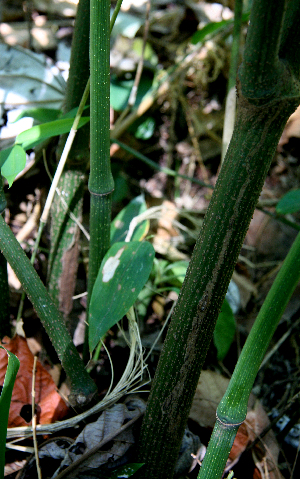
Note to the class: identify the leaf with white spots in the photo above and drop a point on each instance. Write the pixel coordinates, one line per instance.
(122, 275)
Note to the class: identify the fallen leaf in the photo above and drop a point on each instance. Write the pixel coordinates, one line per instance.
(210, 390)
(107, 425)
(50, 406)
(292, 129)
(13, 467)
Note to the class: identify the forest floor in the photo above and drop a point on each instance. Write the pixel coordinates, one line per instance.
(181, 129)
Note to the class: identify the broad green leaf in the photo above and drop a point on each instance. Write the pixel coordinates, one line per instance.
(45, 115)
(214, 28)
(119, 93)
(289, 203)
(42, 115)
(120, 225)
(29, 79)
(35, 135)
(122, 275)
(72, 113)
(14, 164)
(224, 331)
(4, 154)
(5, 398)
(121, 191)
(125, 471)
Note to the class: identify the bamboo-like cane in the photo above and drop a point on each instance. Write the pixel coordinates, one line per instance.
(232, 409)
(100, 181)
(268, 92)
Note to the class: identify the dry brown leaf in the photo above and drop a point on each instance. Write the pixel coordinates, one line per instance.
(13, 467)
(210, 390)
(257, 420)
(108, 424)
(292, 129)
(51, 406)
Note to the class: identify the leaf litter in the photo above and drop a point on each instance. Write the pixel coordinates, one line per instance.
(253, 278)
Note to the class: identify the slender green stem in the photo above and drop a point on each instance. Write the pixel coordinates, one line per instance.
(235, 48)
(83, 388)
(232, 409)
(4, 290)
(100, 181)
(261, 69)
(115, 14)
(155, 166)
(257, 131)
(68, 182)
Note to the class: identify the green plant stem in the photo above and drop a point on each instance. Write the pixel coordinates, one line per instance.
(4, 290)
(73, 155)
(100, 181)
(232, 409)
(258, 128)
(5, 400)
(261, 68)
(155, 166)
(235, 48)
(83, 388)
(115, 14)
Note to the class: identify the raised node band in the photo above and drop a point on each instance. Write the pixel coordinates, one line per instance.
(228, 424)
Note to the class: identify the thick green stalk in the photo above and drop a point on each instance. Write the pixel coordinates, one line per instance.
(235, 48)
(258, 128)
(83, 388)
(232, 409)
(261, 67)
(100, 181)
(64, 244)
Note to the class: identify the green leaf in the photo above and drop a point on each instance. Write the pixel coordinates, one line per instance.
(42, 115)
(224, 331)
(126, 471)
(214, 28)
(120, 225)
(35, 135)
(122, 275)
(145, 130)
(289, 203)
(14, 164)
(175, 273)
(72, 113)
(5, 399)
(120, 91)
(4, 154)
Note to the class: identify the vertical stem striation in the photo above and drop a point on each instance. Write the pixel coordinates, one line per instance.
(100, 181)
(64, 245)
